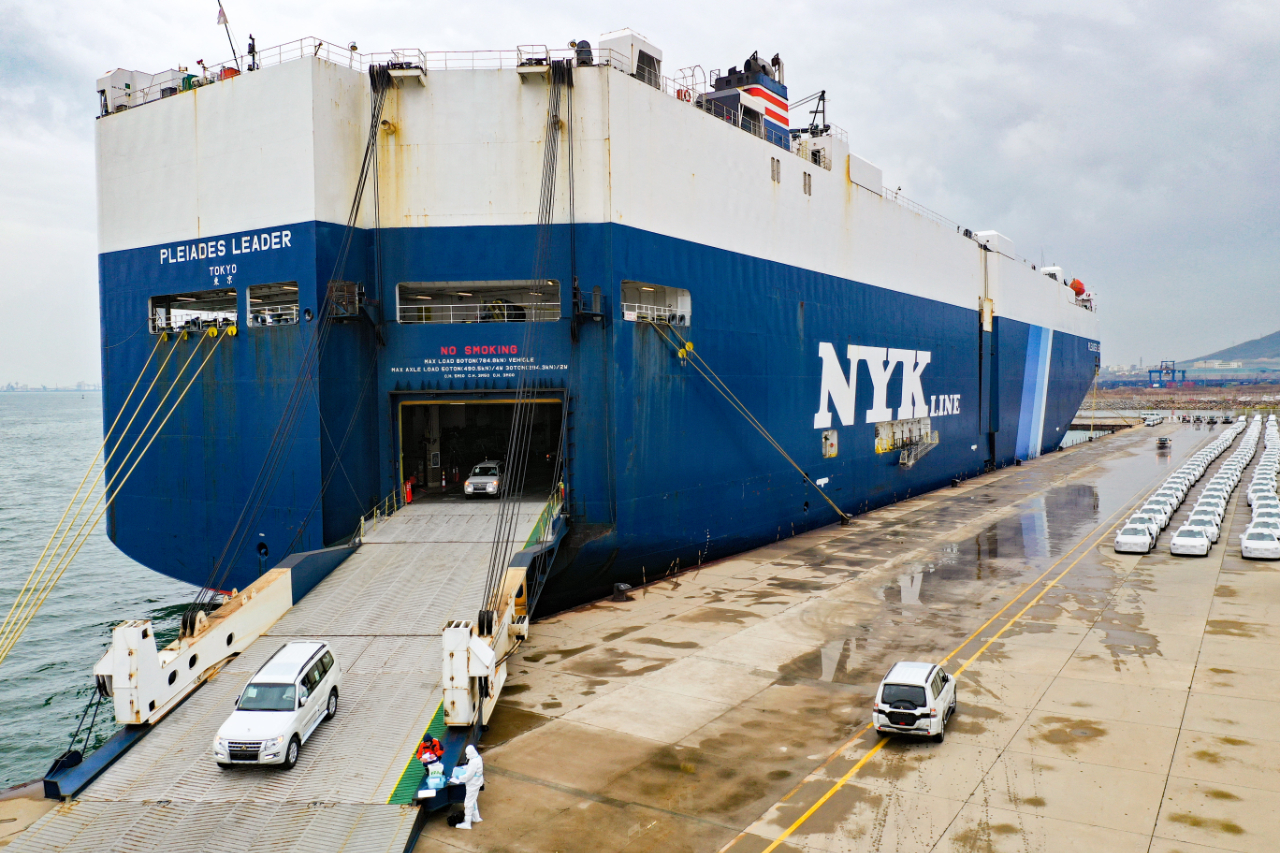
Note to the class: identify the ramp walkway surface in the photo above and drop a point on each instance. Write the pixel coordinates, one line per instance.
(382, 612)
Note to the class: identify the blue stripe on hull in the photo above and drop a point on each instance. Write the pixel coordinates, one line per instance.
(664, 472)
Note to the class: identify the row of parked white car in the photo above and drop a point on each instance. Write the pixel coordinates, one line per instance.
(1204, 527)
(1261, 539)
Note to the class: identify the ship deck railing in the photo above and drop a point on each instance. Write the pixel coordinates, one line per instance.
(636, 312)
(689, 88)
(480, 312)
(274, 315)
(194, 321)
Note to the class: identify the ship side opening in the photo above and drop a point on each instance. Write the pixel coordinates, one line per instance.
(443, 441)
(193, 310)
(273, 304)
(644, 301)
(513, 301)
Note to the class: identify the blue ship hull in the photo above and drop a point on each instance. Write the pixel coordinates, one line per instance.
(662, 472)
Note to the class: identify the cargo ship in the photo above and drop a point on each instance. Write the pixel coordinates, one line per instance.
(705, 317)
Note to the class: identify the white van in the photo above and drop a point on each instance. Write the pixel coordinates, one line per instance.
(284, 702)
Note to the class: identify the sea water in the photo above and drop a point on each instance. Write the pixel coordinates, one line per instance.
(47, 442)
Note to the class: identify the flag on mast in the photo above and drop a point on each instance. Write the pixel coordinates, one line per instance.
(222, 16)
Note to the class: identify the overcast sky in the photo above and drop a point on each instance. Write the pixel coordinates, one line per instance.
(1135, 144)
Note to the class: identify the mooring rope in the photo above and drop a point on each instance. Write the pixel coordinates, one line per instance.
(44, 578)
(692, 358)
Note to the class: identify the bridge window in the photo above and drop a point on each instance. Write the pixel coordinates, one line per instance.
(197, 309)
(643, 301)
(273, 304)
(510, 301)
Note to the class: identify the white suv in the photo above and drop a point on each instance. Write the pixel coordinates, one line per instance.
(283, 703)
(914, 699)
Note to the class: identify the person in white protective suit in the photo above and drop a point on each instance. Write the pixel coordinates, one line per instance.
(473, 778)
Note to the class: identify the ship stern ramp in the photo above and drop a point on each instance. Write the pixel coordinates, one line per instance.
(382, 611)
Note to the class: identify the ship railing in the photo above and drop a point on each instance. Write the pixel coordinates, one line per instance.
(437, 60)
(806, 151)
(689, 89)
(915, 207)
(481, 312)
(542, 527)
(193, 321)
(637, 312)
(384, 509)
(273, 315)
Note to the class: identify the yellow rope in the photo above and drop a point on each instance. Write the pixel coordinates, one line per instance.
(49, 544)
(720, 386)
(41, 572)
(12, 632)
(82, 535)
(85, 500)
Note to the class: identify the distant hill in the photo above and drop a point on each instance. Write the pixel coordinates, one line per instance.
(1265, 347)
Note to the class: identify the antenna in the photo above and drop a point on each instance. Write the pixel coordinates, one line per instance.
(222, 19)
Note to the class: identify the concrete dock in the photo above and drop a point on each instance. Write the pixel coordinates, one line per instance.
(1106, 702)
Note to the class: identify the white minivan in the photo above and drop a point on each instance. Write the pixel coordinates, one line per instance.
(284, 702)
(914, 699)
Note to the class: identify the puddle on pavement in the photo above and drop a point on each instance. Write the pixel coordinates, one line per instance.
(796, 585)
(509, 722)
(555, 655)
(618, 663)
(1122, 638)
(982, 838)
(1013, 548)
(621, 632)
(1198, 822)
(830, 819)
(974, 719)
(667, 644)
(1068, 733)
(716, 615)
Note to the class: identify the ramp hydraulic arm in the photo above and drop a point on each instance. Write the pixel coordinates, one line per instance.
(476, 652)
(145, 683)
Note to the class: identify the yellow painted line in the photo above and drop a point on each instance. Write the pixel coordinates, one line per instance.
(828, 795)
(841, 782)
(1032, 603)
(1030, 586)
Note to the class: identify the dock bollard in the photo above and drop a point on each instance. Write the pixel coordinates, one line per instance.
(620, 591)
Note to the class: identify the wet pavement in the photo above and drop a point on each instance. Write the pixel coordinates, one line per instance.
(1106, 702)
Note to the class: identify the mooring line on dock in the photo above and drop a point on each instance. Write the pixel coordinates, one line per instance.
(1109, 523)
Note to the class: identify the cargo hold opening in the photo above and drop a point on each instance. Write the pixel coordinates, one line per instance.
(442, 441)
(515, 301)
(192, 311)
(273, 304)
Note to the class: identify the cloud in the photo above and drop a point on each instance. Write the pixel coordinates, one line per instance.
(1132, 142)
